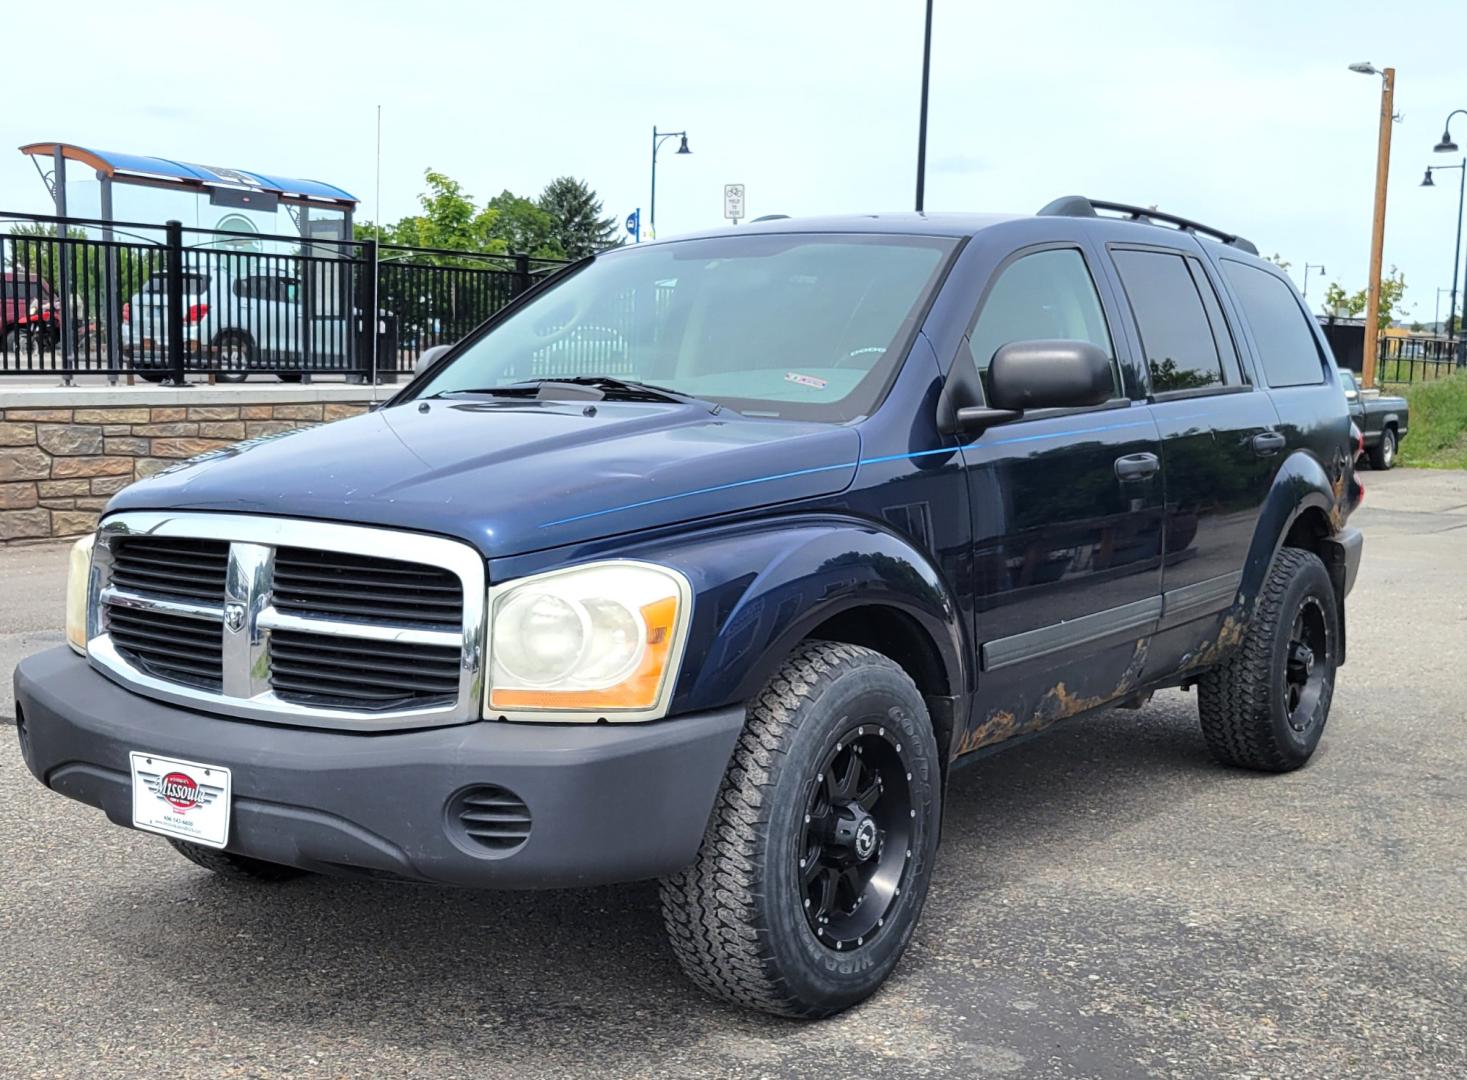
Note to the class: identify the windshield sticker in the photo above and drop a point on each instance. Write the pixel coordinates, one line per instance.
(805, 380)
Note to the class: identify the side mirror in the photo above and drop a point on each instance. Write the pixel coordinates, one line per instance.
(1049, 375)
(1351, 395)
(426, 358)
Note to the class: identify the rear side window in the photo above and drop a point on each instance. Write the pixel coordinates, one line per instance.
(1044, 296)
(1286, 344)
(1176, 335)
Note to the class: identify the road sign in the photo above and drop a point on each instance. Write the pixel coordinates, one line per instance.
(634, 225)
(733, 201)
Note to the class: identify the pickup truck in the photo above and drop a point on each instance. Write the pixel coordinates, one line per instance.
(1381, 418)
(866, 498)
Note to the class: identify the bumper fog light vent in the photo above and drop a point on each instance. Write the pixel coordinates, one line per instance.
(491, 817)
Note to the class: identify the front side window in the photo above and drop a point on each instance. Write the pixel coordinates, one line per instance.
(1286, 344)
(1176, 335)
(1048, 295)
(788, 325)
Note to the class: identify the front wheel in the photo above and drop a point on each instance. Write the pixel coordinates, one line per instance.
(1383, 453)
(1265, 707)
(816, 861)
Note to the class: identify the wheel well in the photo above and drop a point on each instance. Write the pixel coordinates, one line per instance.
(1309, 531)
(899, 637)
(234, 333)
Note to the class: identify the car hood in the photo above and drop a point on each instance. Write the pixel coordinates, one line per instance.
(514, 476)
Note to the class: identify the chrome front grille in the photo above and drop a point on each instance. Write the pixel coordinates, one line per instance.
(331, 583)
(321, 669)
(171, 566)
(176, 647)
(298, 622)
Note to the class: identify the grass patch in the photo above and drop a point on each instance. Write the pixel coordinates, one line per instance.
(1438, 432)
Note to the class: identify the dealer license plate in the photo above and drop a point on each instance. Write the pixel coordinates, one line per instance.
(180, 798)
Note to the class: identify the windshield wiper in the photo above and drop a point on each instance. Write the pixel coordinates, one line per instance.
(611, 387)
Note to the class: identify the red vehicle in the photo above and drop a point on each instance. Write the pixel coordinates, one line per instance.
(29, 315)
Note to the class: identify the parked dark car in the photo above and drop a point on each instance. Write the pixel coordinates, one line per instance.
(871, 497)
(30, 318)
(1382, 419)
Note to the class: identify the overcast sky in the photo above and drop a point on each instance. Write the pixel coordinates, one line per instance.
(1239, 114)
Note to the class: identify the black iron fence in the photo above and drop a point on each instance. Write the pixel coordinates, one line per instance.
(1418, 359)
(167, 303)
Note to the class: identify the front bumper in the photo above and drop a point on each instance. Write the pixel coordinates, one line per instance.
(607, 802)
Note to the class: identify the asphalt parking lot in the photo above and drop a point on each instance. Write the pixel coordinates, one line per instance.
(1107, 903)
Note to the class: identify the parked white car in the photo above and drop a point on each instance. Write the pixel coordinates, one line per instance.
(242, 314)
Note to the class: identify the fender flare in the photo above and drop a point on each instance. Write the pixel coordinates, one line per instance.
(761, 590)
(1300, 486)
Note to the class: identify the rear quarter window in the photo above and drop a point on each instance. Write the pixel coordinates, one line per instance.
(1286, 344)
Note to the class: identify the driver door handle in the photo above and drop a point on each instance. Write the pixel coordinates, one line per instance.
(1137, 466)
(1267, 443)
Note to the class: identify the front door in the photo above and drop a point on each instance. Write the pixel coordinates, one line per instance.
(1066, 510)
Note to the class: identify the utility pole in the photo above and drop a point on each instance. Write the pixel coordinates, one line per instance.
(922, 117)
(1377, 236)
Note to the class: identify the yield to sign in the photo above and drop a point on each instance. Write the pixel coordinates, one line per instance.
(733, 201)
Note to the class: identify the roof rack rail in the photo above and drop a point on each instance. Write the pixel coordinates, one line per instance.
(1079, 206)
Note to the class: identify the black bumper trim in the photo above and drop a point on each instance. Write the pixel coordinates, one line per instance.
(608, 802)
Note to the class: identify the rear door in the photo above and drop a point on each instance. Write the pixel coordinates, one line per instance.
(1219, 439)
(1066, 510)
(1294, 360)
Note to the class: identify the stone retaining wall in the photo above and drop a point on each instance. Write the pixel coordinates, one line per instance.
(59, 465)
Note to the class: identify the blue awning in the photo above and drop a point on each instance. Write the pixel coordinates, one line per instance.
(143, 169)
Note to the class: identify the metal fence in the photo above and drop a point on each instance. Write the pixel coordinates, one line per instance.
(164, 303)
(1418, 359)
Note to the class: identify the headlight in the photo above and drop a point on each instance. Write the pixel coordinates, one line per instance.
(603, 639)
(78, 575)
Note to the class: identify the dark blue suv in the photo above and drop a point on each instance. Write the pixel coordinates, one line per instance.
(711, 559)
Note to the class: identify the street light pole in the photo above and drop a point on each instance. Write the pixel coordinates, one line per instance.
(658, 138)
(1457, 245)
(1377, 232)
(922, 113)
(1447, 146)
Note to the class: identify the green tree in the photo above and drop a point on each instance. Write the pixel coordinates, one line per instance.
(1392, 297)
(1279, 261)
(510, 223)
(580, 228)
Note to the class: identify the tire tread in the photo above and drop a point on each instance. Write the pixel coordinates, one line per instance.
(1234, 699)
(709, 908)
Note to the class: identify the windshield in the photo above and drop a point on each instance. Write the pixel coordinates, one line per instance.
(800, 326)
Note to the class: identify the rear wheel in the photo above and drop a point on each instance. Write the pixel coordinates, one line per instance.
(234, 357)
(1383, 453)
(240, 867)
(289, 376)
(816, 861)
(1266, 706)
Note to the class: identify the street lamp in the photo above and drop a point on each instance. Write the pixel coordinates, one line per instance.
(1377, 234)
(1307, 267)
(1427, 181)
(658, 138)
(1447, 146)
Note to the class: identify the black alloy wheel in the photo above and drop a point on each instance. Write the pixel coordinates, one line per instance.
(854, 853)
(1305, 670)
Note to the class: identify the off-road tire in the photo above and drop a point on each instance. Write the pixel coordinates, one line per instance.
(1242, 703)
(735, 917)
(1383, 453)
(238, 867)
